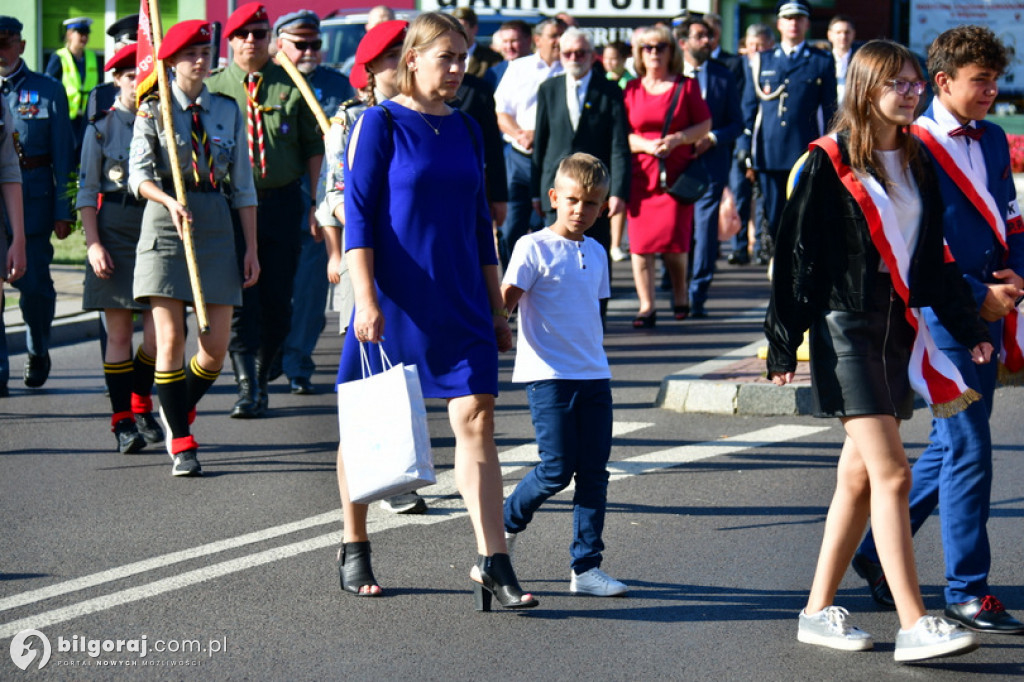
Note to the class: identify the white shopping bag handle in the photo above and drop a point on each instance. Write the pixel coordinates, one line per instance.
(364, 359)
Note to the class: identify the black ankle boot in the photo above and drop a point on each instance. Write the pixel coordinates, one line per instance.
(247, 405)
(354, 570)
(497, 579)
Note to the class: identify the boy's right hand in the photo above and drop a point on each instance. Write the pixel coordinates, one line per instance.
(1001, 299)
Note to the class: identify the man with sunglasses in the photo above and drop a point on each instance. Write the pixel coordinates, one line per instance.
(284, 145)
(298, 37)
(787, 103)
(78, 69)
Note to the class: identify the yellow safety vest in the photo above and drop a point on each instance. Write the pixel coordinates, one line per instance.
(73, 85)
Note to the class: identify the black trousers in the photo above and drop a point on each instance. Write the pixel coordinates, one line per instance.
(260, 326)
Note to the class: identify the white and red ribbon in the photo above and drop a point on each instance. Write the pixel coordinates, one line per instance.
(932, 374)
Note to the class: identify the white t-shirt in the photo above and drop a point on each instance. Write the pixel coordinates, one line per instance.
(560, 335)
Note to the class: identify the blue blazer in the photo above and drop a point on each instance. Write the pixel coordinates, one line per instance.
(723, 99)
(784, 128)
(974, 246)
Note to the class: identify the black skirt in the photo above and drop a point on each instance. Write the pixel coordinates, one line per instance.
(860, 360)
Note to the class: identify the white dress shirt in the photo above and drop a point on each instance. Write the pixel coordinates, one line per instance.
(947, 121)
(575, 93)
(517, 92)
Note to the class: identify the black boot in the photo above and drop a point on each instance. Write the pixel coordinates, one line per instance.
(247, 406)
(262, 381)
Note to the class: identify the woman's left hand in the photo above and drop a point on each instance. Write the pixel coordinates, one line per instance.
(251, 268)
(502, 333)
(982, 353)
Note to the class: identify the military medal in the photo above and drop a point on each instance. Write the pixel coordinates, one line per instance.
(285, 128)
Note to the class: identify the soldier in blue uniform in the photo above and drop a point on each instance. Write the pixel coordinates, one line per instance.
(12, 220)
(44, 144)
(298, 36)
(787, 103)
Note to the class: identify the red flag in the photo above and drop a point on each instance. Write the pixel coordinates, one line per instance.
(145, 59)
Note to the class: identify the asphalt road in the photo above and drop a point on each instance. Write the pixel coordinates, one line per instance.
(714, 522)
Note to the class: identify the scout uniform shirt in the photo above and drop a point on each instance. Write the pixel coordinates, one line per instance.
(105, 150)
(290, 130)
(225, 129)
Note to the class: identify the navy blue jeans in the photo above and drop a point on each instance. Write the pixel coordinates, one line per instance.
(573, 423)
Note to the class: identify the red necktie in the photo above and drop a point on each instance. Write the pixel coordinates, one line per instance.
(973, 133)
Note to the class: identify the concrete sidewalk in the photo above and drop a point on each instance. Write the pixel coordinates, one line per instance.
(70, 324)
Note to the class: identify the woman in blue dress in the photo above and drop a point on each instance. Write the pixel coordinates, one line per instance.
(421, 255)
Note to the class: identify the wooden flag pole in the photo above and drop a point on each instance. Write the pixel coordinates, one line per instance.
(307, 92)
(198, 302)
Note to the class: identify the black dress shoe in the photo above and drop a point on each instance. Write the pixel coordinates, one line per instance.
(873, 573)
(301, 386)
(3, 391)
(739, 258)
(985, 615)
(698, 312)
(37, 370)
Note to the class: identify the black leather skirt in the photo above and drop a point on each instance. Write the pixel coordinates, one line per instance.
(859, 360)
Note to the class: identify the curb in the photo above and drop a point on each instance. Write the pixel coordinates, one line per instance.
(67, 329)
(688, 391)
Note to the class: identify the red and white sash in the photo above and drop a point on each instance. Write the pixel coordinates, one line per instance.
(952, 158)
(932, 374)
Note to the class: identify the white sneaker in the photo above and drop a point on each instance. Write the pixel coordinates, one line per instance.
(596, 583)
(617, 254)
(933, 637)
(407, 503)
(829, 628)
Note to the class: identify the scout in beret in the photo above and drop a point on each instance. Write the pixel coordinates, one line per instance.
(111, 235)
(211, 143)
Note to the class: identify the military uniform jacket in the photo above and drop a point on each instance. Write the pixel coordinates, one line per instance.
(788, 104)
(10, 170)
(105, 151)
(225, 129)
(40, 110)
(290, 129)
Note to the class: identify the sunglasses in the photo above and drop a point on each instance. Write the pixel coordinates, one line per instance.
(303, 45)
(575, 54)
(657, 47)
(257, 33)
(903, 87)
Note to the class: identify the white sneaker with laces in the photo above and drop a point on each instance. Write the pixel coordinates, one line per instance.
(933, 637)
(829, 628)
(617, 254)
(596, 583)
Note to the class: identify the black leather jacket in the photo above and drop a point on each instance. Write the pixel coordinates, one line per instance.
(825, 260)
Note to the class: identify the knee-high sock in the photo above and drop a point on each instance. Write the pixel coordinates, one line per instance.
(173, 393)
(198, 381)
(142, 384)
(118, 377)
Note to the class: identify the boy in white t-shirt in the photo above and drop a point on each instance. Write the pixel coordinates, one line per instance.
(558, 277)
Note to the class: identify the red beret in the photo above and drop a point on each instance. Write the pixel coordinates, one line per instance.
(375, 43)
(124, 59)
(183, 34)
(249, 13)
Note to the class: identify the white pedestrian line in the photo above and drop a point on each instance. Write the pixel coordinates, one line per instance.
(443, 508)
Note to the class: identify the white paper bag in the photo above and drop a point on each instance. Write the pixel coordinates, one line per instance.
(385, 444)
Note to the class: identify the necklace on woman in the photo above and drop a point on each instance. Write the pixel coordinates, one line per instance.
(437, 130)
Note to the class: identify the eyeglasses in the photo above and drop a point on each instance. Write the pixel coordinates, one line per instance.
(303, 45)
(256, 33)
(575, 54)
(902, 87)
(657, 47)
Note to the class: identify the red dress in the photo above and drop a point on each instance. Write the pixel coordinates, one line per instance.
(657, 222)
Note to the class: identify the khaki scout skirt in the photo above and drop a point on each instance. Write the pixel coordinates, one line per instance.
(160, 268)
(119, 224)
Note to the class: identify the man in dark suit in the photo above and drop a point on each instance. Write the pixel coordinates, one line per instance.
(841, 35)
(581, 112)
(787, 103)
(735, 62)
(718, 87)
(476, 98)
(480, 57)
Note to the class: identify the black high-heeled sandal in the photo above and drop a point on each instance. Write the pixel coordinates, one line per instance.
(645, 321)
(497, 579)
(681, 312)
(354, 570)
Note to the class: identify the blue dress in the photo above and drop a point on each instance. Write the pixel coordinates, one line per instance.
(417, 198)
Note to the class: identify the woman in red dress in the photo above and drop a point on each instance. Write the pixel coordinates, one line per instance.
(658, 223)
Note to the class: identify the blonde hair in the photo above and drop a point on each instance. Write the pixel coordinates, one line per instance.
(586, 170)
(875, 63)
(664, 35)
(423, 31)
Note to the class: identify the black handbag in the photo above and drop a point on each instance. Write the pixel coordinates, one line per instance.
(694, 181)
